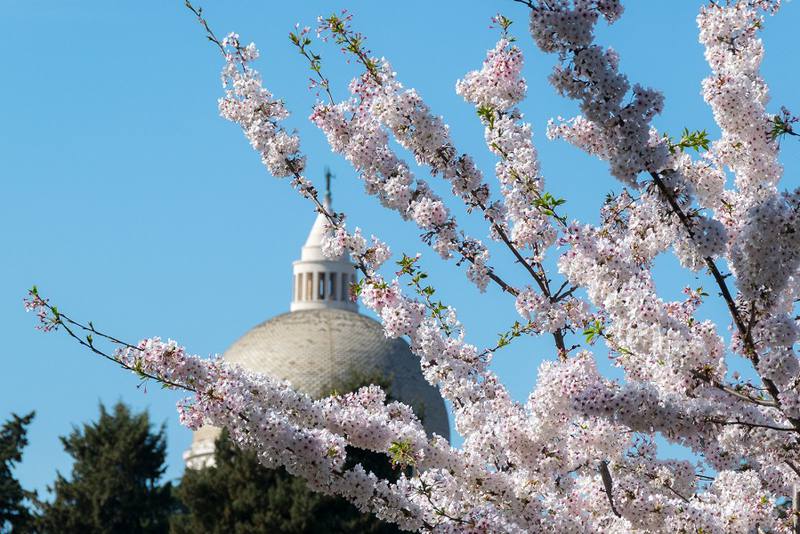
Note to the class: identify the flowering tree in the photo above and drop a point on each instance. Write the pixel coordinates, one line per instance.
(580, 454)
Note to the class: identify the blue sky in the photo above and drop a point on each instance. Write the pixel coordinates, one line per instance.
(129, 202)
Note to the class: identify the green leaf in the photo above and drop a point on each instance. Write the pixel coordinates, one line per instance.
(401, 454)
(487, 114)
(695, 140)
(593, 331)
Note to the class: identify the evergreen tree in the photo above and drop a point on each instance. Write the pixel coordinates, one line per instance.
(115, 486)
(238, 495)
(14, 514)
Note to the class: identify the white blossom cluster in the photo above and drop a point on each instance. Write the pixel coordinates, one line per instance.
(580, 454)
(593, 79)
(289, 429)
(495, 90)
(416, 129)
(353, 131)
(249, 104)
(737, 95)
(546, 316)
(762, 222)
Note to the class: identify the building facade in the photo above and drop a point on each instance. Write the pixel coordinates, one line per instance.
(323, 343)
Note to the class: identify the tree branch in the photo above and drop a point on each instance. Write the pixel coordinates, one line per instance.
(608, 485)
(743, 329)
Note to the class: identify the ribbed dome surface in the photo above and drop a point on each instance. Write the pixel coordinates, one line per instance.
(318, 350)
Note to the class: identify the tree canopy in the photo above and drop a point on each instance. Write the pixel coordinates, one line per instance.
(115, 486)
(239, 495)
(15, 515)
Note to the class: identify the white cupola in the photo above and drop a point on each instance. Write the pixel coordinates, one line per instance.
(319, 282)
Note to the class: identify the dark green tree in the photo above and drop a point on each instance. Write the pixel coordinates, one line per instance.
(238, 495)
(15, 516)
(115, 485)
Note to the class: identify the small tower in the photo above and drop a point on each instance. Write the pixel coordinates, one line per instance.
(319, 282)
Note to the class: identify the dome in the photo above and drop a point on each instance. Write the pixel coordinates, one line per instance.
(319, 350)
(323, 343)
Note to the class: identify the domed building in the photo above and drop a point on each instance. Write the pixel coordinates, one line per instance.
(324, 343)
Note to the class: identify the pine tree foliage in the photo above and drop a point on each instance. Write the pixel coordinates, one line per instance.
(116, 478)
(240, 496)
(15, 515)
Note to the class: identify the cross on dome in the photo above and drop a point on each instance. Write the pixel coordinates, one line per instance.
(328, 177)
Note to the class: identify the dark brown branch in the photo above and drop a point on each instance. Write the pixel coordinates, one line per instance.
(754, 425)
(740, 395)
(675, 492)
(64, 322)
(314, 64)
(608, 485)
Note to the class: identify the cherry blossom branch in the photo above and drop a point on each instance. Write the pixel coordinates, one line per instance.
(705, 377)
(408, 266)
(198, 13)
(441, 161)
(472, 197)
(738, 394)
(589, 74)
(349, 40)
(302, 42)
(559, 296)
(744, 330)
(676, 493)
(495, 90)
(157, 361)
(516, 330)
(423, 206)
(51, 318)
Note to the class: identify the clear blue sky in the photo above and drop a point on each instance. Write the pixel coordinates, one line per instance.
(129, 202)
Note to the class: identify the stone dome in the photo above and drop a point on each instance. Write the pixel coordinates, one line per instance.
(319, 350)
(324, 343)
